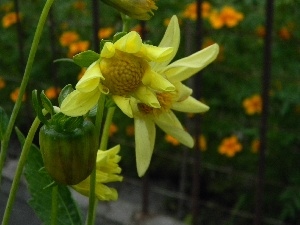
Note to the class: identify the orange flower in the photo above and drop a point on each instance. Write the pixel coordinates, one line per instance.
(79, 5)
(113, 129)
(285, 33)
(104, 33)
(216, 20)
(172, 140)
(202, 143)
(190, 11)
(52, 92)
(253, 104)
(68, 38)
(137, 28)
(255, 146)
(230, 146)
(77, 47)
(14, 95)
(10, 19)
(260, 31)
(228, 16)
(130, 130)
(2, 83)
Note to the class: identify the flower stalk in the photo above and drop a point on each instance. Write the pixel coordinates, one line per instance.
(92, 195)
(103, 145)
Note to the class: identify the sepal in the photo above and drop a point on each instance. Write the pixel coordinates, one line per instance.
(86, 58)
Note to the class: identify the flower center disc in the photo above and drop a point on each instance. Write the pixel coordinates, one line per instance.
(123, 73)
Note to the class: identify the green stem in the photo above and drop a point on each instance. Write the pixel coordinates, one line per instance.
(103, 146)
(26, 76)
(54, 208)
(105, 134)
(92, 195)
(19, 170)
(126, 22)
(99, 116)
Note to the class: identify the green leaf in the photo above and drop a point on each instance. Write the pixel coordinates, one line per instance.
(118, 35)
(40, 201)
(47, 103)
(85, 59)
(37, 107)
(64, 93)
(3, 122)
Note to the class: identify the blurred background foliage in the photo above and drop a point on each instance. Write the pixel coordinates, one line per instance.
(231, 87)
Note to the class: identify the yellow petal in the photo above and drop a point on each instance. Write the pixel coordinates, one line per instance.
(169, 123)
(78, 103)
(190, 105)
(170, 39)
(124, 104)
(146, 96)
(108, 50)
(144, 143)
(130, 43)
(90, 79)
(156, 81)
(184, 68)
(105, 193)
(183, 91)
(157, 54)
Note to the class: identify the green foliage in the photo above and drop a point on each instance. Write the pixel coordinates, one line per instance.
(291, 201)
(38, 180)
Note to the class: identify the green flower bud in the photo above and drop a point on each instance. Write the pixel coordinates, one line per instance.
(137, 9)
(69, 156)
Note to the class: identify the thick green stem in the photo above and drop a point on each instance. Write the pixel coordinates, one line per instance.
(19, 170)
(26, 76)
(54, 209)
(92, 195)
(103, 146)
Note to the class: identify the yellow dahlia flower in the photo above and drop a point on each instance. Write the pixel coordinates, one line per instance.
(146, 117)
(107, 170)
(123, 70)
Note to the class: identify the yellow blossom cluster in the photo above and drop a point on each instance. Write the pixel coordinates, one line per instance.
(145, 85)
(225, 17)
(107, 171)
(230, 146)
